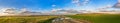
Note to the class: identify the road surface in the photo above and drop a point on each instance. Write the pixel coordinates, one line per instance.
(67, 20)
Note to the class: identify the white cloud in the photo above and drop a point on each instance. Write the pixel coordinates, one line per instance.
(4, 9)
(75, 1)
(118, 1)
(78, 3)
(60, 12)
(117, 5)
(86, 2)
(109, 6)
(66, 11)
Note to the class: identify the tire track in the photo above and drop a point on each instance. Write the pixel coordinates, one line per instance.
(67, 20)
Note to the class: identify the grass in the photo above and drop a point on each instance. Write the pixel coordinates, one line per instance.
(98, 18)
(93, 18)
(26, 19)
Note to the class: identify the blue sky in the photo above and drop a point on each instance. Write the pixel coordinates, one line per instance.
(42, 5)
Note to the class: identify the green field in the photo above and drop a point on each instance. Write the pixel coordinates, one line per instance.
(93, 18)
(26, 19)
(98, 18)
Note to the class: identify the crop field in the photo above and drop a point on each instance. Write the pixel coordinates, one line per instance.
(98, 18)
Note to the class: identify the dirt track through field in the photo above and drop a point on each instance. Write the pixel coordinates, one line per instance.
(68, 20)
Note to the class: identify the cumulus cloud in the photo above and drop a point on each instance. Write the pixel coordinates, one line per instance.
(66, 11)
(119, 1)
(30, 13)
(109, 6)
(23, 10)
(53, 12)
(86, 2)
(7, 10)
(105, 8)
(76, 2)
(117, 5)
(14, 11)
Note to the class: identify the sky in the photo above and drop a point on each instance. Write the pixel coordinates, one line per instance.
(48, 5)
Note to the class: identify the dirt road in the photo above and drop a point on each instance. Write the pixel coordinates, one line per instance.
(67, 20)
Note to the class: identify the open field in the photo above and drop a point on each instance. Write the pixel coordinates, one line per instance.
(93, 18)
(26, 19)
(98, 18)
